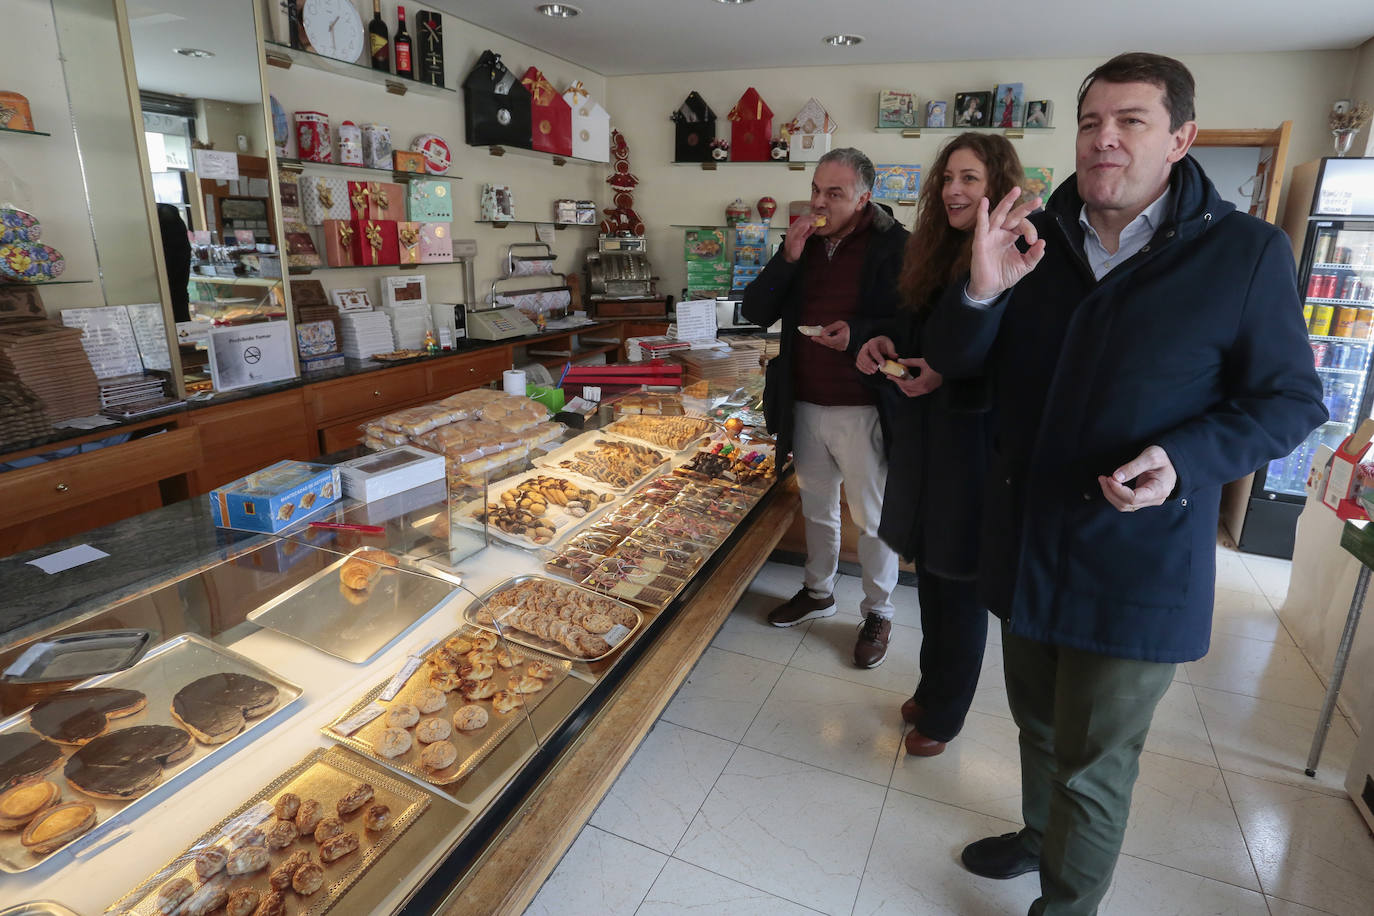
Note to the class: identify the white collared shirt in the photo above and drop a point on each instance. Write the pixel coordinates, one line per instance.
(1134, 237)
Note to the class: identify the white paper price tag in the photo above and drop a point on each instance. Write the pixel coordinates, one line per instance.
(367, 714)
(410, 667)
(616, 635)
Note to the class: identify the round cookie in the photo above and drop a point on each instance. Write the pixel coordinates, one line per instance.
(393, 742)
(439, 755)
(402, 715)
(429, 699)
(433, 729)
(470, 718)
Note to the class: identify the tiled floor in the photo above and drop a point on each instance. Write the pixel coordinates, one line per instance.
(776, 783)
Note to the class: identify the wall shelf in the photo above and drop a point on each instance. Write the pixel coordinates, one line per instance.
(12, 284)
(503, 223)
(285, 56)
(33, 133)
(1015, 133)
(498, 150)
(301, 271)
(712, 164)
(286, 163)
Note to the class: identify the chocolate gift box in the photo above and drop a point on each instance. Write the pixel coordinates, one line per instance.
(751, 128)
(550, 115)
(430, 200)
(496, 106)
(324, 198)
(408, 238)
(300, 247)
(388, 201)
(375, 243)
(436, 243)
(591, 125)
(694, 129)
(359, 200)
(338, 242)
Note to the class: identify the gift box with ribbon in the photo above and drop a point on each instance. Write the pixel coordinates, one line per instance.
(323, 198)
(408, 238)
(338, 242)
(436, 243)
(375, 243)
(431, 200)
(360, 200)
(388, 201)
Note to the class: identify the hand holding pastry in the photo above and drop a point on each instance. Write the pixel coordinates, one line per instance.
(875, 352)
(834, 336)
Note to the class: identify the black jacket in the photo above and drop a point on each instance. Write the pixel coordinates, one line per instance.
(775, 294)
(937, 457)
(1195, 344)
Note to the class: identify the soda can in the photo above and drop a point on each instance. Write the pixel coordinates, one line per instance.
(1348, 288)
(1330, 286)
(1364, 323)
(1321, 320)
(1307, 313)
(1359, 354)
(1343, 322)
(1319, 354)
(1339, 356)
(1323, 248)
(1314, 285)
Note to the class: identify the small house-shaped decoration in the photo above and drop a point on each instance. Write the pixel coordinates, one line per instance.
(550, 115)
(751, 128)
(591, 125)
(808, 134)
(496, 106)
(696, 128)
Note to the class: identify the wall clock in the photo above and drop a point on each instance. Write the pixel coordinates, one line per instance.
(334, 29)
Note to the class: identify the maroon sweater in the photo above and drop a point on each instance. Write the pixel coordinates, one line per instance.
(831, 293)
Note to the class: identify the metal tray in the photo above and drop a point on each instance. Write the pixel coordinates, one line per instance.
(585, 441)
(564, 523)
(473, 747)
(158, 675)
(79, 655)
(38, 908)
(617, 429)
(529, 640)
(325, 774)
(316, 613)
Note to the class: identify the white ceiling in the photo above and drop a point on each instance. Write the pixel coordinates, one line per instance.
(222, 26)
(620, 37)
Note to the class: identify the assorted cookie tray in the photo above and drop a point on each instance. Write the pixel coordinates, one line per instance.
(72, 762)
(554, 617)
(302, 841)
(676, 433)
(605, 459)
(469, 692)
(537, 508)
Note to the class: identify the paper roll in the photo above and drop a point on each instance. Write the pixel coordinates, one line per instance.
(513, 381)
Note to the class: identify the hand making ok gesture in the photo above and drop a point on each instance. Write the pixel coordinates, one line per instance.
(997, 264)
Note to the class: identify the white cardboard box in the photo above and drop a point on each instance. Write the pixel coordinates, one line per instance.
(383, 474)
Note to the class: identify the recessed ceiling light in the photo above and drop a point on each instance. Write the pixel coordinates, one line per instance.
(558, 10)
(734, 2)
(195, 52)
(842, 41)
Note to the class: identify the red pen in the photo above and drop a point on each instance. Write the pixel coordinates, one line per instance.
(338, 526)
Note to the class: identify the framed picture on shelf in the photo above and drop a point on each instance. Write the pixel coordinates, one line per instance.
(1040, 113)
(896, 108)
(1009, 105)
(896, 182)
(1039, 182)
(971, 109)
(935, 113)
(351, 300)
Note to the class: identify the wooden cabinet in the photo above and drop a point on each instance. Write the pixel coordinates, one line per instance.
(471, 370)
(372, 394)
(645, 328)
(244, 436)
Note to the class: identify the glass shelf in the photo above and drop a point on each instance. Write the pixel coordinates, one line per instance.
(503, 223)
(1335, 369)
(284, 56)
(35, 133)
(1338, 339)
(713, 164)
(1354, 302)
(497, 149)
(12, 283)
(771, 227)
(301, 271)
(1343, 266)
(1013, 132)
(296, 165)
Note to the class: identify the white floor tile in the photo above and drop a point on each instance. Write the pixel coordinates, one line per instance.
(1141, 888)
(830, 723)
(787, 828)
(1177, 729)
(601, 875)
(748, 632)
(1181, 816)
(914, 866)
(1266, 670)
(979, 770)
(683, 888)
(1271, 573)
(658, 794)
(1309, 847)
(1270, 740)
(1281, 907)
(1232, 572)
(723, 693)
(829, 649)
(849, 595)
(1247, 614)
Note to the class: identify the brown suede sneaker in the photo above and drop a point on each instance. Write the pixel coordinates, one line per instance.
(871, 647)
(800, 608)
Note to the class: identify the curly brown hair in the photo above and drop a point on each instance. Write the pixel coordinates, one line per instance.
(937, 253)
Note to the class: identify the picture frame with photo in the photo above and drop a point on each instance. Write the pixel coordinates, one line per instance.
(1039, 183)
(896, 182)
(972, 109)
(1009, 105)
(897, 108)
(351, 300)
(1039, 113)
(935, 113)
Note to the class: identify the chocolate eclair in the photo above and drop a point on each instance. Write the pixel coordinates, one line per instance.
(77, 716)
(127, 763)
(216, 707)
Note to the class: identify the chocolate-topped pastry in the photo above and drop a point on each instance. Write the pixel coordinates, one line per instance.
(127, 763)
(77, 716)
(216, 707)
(25, 756)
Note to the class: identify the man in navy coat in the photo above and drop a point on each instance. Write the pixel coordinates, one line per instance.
(1146, 345)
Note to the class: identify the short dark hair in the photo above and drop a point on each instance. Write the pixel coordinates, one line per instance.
(1141, 67)
(856, 160)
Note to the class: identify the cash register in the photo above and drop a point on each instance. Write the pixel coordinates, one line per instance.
(620, 280)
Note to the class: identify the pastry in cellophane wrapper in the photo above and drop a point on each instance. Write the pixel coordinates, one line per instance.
(675, 523)
(623, 577)
(573, 563)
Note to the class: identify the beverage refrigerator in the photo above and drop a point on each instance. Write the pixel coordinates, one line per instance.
(1330, 219)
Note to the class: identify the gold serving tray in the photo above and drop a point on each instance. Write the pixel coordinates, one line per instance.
(324, 775)
(158, 675)
(550, 462)
(529, 640)
(473, 746)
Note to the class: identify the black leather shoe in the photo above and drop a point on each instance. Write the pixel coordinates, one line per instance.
(999, 857)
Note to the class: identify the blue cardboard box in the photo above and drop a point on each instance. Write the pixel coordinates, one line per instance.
(276, 496)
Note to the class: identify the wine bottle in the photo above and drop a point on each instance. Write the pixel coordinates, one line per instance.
(379, 39)
(402, 45)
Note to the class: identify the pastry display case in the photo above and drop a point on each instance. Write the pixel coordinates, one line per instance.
(411, 657)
